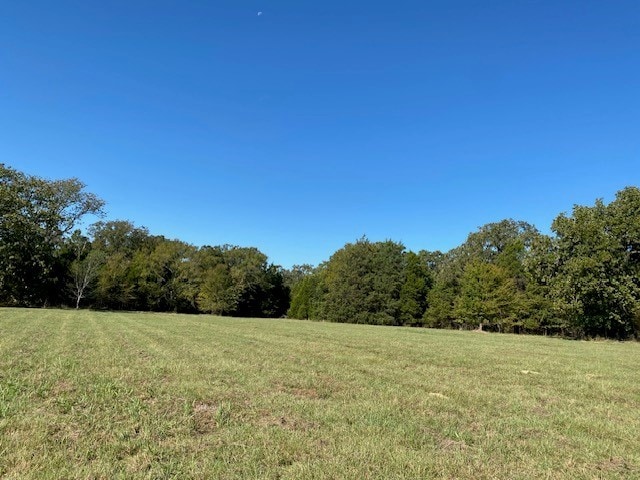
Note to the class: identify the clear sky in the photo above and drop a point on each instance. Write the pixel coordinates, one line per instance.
(298, 126)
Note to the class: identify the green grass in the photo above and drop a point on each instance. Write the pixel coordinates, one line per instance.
(122, 395)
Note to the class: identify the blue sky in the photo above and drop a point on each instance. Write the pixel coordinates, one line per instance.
(315, 123)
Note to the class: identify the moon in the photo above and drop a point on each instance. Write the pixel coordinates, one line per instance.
(259, 14)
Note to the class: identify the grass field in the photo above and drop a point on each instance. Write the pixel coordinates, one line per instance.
(122, 395)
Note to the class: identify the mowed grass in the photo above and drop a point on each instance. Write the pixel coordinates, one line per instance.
(123, 395)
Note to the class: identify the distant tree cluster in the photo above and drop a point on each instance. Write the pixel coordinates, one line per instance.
(44, 261)
(582, 281)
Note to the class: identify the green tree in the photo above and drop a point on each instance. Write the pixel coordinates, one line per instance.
(211, 288)
(238, 281)
(84, 268)
(247, 266)
(218, 294)
(120, 243)
(307, 296)
(446, 271)
(164, 275)
(488, 296)
(494, 240)
(296, 274)
(416, 286)
(36, 215)
(363, 281)
(592, 267)
(496, 252)
(275, 293)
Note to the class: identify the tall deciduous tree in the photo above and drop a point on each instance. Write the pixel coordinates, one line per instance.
(363, 281)
(238, 281)
(163, 281)
(484, 281)
(593, 267)
(118, 278)
(35, 217)
(218, 294)
(84, 267)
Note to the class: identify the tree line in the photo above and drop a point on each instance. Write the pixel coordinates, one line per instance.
(582, 281)
(45, 261)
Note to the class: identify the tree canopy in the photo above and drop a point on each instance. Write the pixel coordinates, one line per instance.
(582, 280)
(36, 215)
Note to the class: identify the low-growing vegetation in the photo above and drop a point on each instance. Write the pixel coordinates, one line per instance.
(122, 395)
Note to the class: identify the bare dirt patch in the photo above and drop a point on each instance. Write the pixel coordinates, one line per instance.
(616, 464)
(62, 386)
(305, 392)
(208, 416)
(287, 422)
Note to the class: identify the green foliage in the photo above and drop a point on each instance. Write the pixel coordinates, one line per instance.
(413, 294)
(296, 274)
(36, 215)
(163, 275)
(238, 281)
(275, 293)
(592, 267)
(363, 281)
(248, 270)
(144, 272)
(441, 301)
(494, 241)
(122, 244)
(218, 294)
(447, 270)
(582, 281)
(485, 282)
(120, 236)
(84, 268)
(307, 296)
(488, 296)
